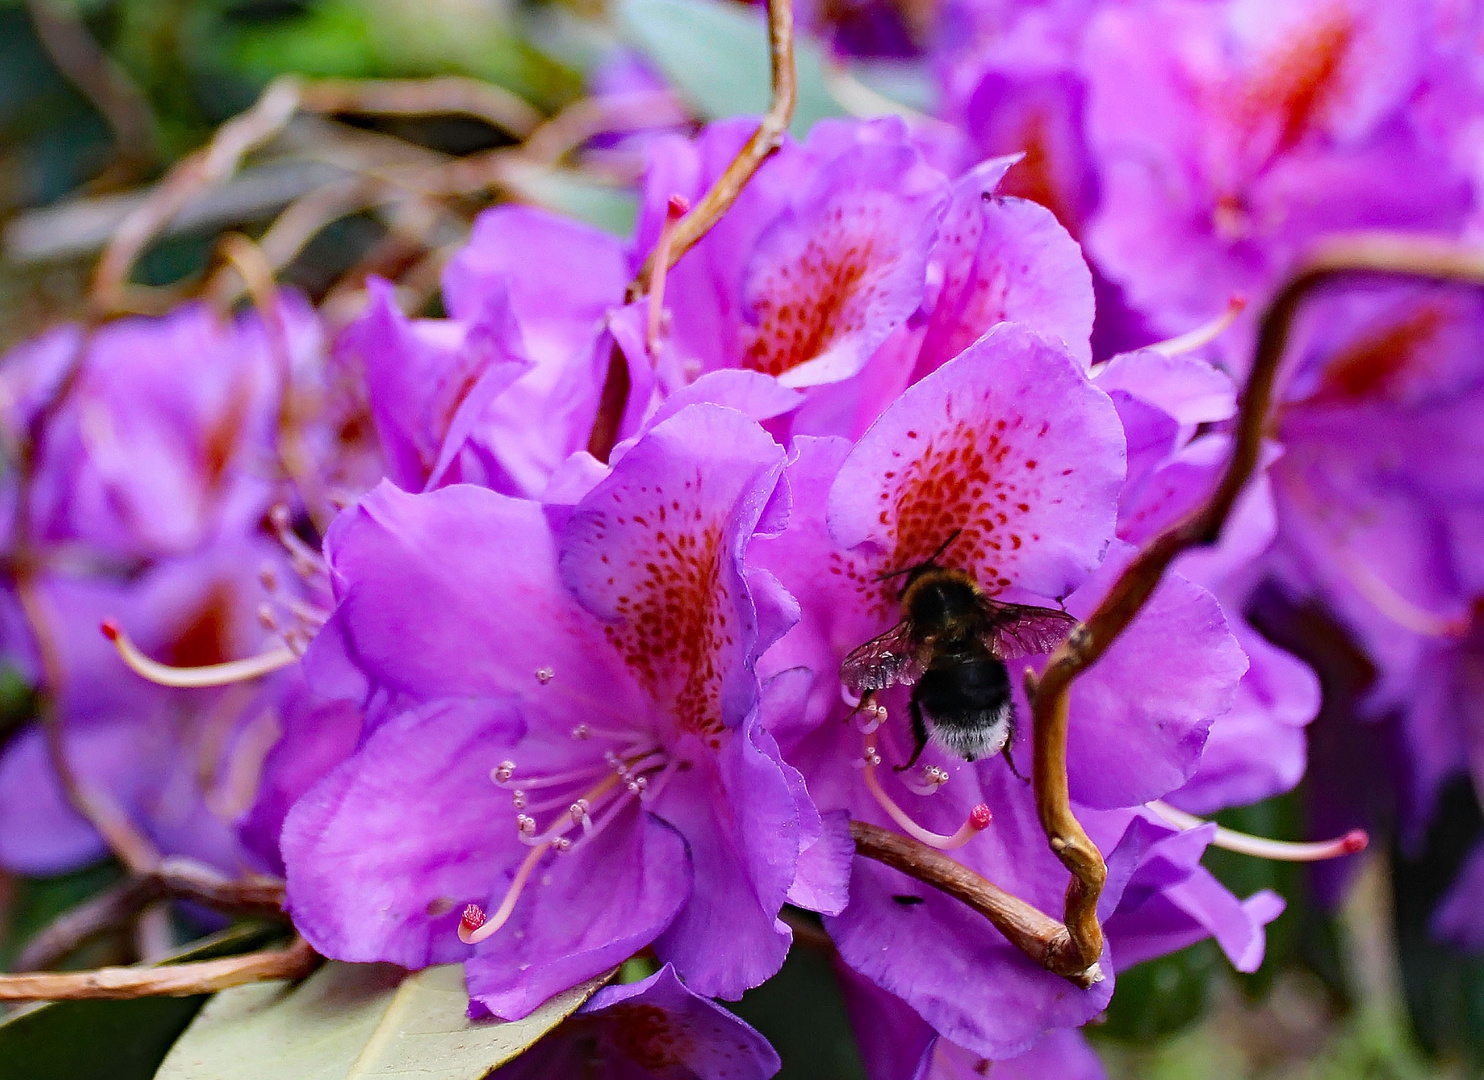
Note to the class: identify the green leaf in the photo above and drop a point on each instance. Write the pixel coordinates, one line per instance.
(716, 54)
(1443, 984)
(37, 901)
(567, 192)
(1160, 997)
(801, 1012)
(357, 1020)
(388, 38)
(112, 1040)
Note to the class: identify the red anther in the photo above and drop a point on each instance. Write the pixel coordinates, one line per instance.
(980, 817)
(679, 204)
(1355, 840)
(110, 629)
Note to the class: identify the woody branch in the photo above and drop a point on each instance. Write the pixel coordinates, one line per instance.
(168, 980)
(706, 213)
(1377, 252)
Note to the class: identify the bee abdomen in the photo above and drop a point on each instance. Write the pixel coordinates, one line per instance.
(976, 735)
(968, 701)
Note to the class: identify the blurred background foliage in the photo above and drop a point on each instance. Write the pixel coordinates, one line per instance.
(1352, 986)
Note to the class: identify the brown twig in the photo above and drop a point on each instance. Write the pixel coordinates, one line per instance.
(1375, 252)
(179, 879)
(706, 213)
(766, 139)
(212, 164)
(447, 95)
(1029, 929)
(80, 58)
(267, 118)
(135, 850)
(248, 260)
(168, 980)
(587, 117)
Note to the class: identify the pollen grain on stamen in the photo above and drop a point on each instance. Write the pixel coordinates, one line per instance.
(1354, 841)
(233, 671)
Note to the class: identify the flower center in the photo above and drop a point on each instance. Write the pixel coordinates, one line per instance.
(567, 810)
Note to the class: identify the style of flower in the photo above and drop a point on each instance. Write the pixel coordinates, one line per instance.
(563, 730)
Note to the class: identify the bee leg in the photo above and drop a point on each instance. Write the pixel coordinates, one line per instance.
(1011, 762)
(919, 733)
(862, 704)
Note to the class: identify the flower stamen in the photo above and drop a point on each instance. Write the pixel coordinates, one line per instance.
(233, 671)
(1278, 850)
(1392, 604)
(1205, 334)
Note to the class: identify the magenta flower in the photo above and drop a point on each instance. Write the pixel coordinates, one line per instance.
(657, 1027)
(182, 764)
(1378, 496)
(139, 483)
(564, 731)
(1257, 748)
(897, 1044)
(1227, 137)
(1010, 447)
(147, 506)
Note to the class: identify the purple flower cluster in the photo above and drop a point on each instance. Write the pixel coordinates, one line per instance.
(1198, 151)
(562, 683)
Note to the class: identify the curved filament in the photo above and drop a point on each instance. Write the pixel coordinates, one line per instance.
(1279, 850)
(1202, 335)
(234, 671)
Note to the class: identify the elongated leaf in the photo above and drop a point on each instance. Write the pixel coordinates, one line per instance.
(567, 192)
(716, 54)
(348, 1021)
(112, 1040)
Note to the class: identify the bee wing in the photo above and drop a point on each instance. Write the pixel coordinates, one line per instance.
(1016, 630)
(885, 660)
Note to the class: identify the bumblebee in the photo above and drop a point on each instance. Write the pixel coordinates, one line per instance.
(950, 647)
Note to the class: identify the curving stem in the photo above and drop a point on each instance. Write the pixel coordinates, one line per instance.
(706, 213)
(1388, 253)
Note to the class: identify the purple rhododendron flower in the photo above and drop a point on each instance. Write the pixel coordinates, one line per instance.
(147, 505)
(1033, 505)
(592, 665)
(897, 1044)
(657, 1027)
(1228, 136)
